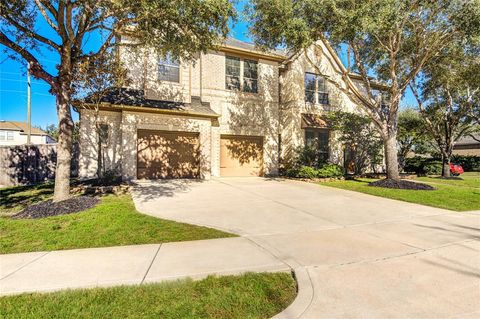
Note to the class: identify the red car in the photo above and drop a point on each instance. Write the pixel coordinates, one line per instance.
(456, 170)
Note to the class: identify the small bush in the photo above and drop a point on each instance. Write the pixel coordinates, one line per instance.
(469, 163)
(307, 172)
(326, 171)
(292, 172)
(330, 171)
(433, 168)
(421, 166)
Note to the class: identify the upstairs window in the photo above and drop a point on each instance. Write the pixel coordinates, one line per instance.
(232, 73)
(316, 89)
(241, 78)
(250, 76)
(168, 69)
(322, 91)
(310, 87)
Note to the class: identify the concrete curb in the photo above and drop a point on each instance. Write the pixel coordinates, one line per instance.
(304, 297)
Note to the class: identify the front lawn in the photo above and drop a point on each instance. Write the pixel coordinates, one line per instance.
(468, 179)
(113, 222)
(247, 296)
(14, 199)
(453, 194)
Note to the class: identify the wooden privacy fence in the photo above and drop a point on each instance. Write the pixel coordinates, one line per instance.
(30, 164)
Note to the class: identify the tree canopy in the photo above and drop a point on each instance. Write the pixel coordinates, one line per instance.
(391, 41)
(448, 93)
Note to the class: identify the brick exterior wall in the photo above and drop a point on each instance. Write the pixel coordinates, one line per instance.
(253, 114)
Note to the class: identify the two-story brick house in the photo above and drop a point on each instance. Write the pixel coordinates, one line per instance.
(231, 112)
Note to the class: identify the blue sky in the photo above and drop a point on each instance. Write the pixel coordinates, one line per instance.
(13, 82)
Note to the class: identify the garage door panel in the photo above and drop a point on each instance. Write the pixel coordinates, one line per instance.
(241, 156)
(167, 155)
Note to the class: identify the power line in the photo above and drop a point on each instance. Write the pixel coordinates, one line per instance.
(23, 81)
(25, 93)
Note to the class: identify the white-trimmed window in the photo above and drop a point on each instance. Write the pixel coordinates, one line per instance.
(316, 89)
(250, 76)
(232, 73)
(3, 135)
(168, 69)
(241, 79)
(9, 136)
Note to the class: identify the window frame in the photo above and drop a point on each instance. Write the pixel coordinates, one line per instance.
(324, 152)
(228, 84)
(10, 136)
(170, 64)
(254, 80)
(243, 79)
(310, 98)
(320, 95)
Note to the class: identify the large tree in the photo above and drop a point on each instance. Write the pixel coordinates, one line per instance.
(182, 28)
(448, 95)
(391, 41)
(413, 136)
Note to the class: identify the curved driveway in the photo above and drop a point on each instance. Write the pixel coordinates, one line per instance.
(364, 256)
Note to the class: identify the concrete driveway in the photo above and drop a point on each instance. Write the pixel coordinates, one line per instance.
(361, 256)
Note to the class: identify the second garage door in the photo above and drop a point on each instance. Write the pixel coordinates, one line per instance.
(241, 155)
(164, 154)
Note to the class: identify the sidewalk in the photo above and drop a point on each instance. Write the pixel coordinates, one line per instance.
(93, 267)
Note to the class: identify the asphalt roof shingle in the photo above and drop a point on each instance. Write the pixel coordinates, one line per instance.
(133, 97)
(19, 126)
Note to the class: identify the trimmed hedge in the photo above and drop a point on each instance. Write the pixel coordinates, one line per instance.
(325, 171)
(433, 166)
(469, 163)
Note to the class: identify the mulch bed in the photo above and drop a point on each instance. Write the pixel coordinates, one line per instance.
(48, 208)
(401, 184)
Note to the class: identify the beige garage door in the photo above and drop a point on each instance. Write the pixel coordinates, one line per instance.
(241, 156)
(162, 154)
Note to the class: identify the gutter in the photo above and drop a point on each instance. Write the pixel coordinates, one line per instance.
(142, 109)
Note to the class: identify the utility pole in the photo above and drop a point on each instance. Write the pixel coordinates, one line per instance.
(29, 115)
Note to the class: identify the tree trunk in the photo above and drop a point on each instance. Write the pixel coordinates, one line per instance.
(64, 145)
(391, 158)
(446, 166)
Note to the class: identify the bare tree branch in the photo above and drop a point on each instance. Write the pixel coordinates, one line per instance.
(35, 67)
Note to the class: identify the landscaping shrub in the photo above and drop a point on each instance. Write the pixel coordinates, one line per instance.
(422, 165)
(330, 171)
(326, 171)
(307, 172)
(469, 163)
(433, 168)
(306, 156)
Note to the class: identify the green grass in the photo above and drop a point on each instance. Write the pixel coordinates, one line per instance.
(113, 222)
(14, 199)
(247, 296)
(469, 179)
(452, 194)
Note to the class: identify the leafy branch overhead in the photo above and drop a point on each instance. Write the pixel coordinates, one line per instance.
(182, 30)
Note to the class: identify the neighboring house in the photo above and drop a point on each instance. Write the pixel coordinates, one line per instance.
(232, 112)
(467, 146)
(15, 133)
